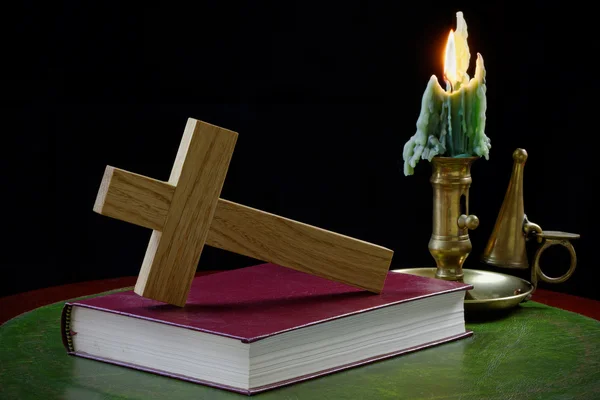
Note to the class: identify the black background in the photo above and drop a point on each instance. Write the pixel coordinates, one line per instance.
(323, 95)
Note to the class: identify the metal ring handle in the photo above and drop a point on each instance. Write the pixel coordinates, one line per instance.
(537, 271)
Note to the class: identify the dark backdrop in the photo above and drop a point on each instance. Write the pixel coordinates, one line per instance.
(323, 95)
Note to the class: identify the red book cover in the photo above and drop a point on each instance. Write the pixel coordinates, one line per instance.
(253, 303)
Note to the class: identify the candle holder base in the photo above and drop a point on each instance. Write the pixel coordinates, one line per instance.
(492, 291)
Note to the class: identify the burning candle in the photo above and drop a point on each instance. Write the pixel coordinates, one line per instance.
(452, 121)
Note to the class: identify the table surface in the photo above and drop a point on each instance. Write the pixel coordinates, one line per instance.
(534, 352)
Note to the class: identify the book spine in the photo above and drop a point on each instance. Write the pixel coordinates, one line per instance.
(66, 332)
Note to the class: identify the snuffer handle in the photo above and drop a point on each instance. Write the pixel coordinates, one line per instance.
(552, 238)
(468, 221)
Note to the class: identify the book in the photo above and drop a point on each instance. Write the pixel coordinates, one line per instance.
(257, 328)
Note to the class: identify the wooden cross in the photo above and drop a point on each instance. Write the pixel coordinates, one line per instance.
(186, 212)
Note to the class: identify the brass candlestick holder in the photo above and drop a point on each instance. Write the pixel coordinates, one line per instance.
(506, 248)
(450, 244)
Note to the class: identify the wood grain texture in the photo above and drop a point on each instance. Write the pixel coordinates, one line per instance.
(186, 212)
(198, 175)
(269, 237)
(261, 235)
(134, 198)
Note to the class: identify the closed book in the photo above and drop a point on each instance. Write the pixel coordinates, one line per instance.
(257, 328)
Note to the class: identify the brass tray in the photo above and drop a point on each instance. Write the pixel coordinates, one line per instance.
(492, 291)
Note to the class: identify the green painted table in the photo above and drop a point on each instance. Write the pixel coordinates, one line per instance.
(534, 352)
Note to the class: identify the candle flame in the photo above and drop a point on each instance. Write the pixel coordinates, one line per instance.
(450, 60)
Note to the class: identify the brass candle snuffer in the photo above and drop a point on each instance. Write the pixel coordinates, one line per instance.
(506, 248)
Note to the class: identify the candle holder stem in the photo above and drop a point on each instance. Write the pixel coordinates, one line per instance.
(450, 244)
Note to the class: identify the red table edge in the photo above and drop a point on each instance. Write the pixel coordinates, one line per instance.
(14, 305)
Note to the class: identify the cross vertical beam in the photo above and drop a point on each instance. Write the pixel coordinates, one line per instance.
(198, 175)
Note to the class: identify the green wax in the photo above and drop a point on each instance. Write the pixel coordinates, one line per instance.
(466, 119)
(476, 117)
(425, 143)
(456, 121)
(451, 123)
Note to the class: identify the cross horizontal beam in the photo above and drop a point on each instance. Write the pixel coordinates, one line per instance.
(244, 230)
